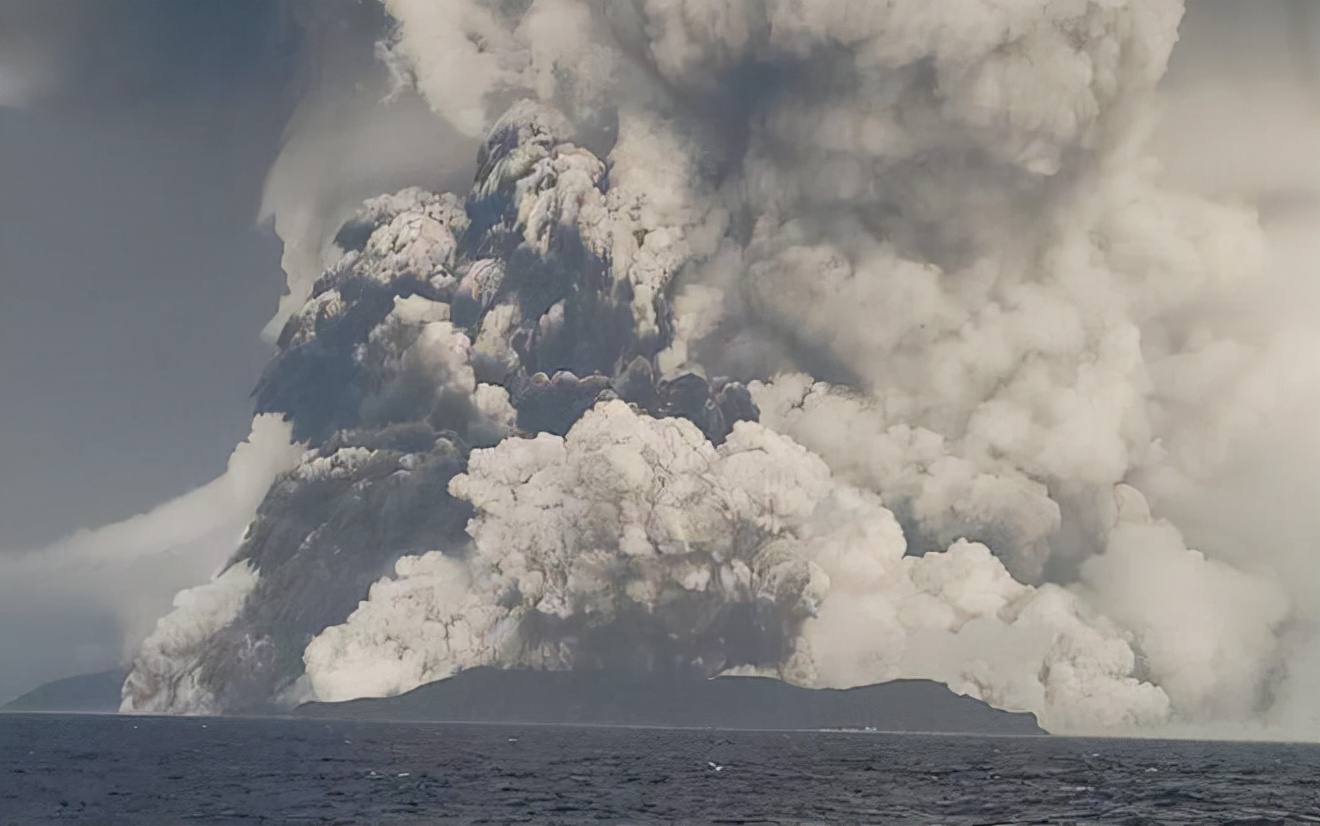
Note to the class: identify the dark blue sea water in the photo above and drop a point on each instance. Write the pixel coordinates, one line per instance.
(139, 770)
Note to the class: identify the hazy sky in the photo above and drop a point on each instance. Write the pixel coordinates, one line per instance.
(135, 138)
(135, 280)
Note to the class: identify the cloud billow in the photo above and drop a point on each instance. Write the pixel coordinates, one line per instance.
(839, 343)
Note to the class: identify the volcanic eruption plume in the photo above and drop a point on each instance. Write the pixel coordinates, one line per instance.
(838, 341)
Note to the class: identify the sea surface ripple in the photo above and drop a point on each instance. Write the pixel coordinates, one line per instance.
(153, 770)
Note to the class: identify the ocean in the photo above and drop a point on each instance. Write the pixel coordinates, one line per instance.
(155, 770)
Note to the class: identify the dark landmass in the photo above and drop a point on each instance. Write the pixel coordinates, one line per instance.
(603, 698)
(99, 693)
(489, 695)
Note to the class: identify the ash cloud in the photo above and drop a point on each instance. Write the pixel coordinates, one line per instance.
(907, 364)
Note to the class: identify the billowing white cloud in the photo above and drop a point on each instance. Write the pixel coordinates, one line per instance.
(124, 575)
(1003, 360)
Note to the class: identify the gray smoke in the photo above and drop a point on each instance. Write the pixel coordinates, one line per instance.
(836, 341)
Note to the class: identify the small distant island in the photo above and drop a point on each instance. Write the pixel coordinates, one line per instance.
(630, 699)
(84, 694)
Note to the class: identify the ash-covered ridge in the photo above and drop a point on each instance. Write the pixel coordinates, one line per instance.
(447, 325)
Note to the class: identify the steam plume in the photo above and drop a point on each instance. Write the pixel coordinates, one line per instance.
(838, 341)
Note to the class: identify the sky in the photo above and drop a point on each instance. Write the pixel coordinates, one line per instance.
(134, 143)
(135, 274)
(135, 138)
(138, 277)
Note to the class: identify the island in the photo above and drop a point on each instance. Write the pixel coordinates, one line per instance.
(630, 699)
(83, 694)
(606, 698)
